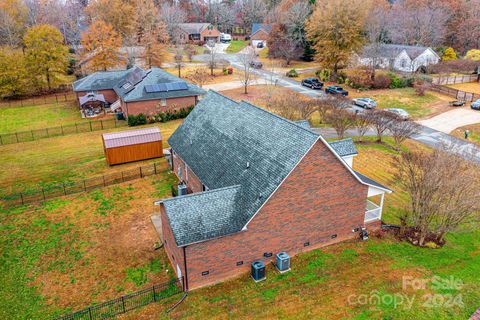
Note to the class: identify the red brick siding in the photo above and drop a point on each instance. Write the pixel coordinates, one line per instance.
(108, 94)
(174, 253)
(150, 107)
(260, 35)
(319, 198)
(193, 182)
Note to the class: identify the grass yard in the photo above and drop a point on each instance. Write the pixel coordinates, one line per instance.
(38, 116)
(467, 87)
(474, 133)
(236, 46)
(279, 65)
(71, 252)
(330, 283)
(418, 107)
(24, 166)
(217, 77)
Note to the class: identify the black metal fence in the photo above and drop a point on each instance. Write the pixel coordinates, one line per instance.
(40, 100)
(128, 302)
(87, 126)
(65, 188)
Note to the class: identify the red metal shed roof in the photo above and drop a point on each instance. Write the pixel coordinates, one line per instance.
(130, 137)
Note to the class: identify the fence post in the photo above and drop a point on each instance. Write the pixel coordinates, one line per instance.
(123, 304)
(90, 312)
(61, 127)
(64, 191)
(103, 176)
(76, 127)
(33, 136)
(154, 297)
(122, 177)
(84, 186)
(1, 140)
(43, 193)
(21, 197)
(155, 168)
(141, 173)
(46, 130)
(90, 125)
(101, 124)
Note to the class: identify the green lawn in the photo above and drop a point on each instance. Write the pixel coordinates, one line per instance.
(322, 282)
(71, 252)
(407, 99)
(236, 45)
(38, 116)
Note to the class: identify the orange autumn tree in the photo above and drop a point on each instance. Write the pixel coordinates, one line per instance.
(150, 32)
(101, 47)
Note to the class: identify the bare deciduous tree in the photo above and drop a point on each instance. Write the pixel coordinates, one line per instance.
(178, 59)
(380, 121)
(285, 105)
(246, 70)
(198, 76)
(339, 118)
(401, 130)
(362, 125)
(172, 15)
(444, 191)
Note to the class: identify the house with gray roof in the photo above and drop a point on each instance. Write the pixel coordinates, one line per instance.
(136, 91)
(257, 184)
(398, 57)
(260, 33)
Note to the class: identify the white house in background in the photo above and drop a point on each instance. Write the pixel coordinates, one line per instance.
(398, 57)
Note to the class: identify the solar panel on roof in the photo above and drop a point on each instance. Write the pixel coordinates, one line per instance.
(165, 87)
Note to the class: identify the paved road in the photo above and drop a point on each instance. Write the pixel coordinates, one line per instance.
(428, 136)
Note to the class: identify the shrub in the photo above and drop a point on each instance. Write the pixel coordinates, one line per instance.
(449, 54)
(132, 120)
(141, 119)
(473, 54)
(323, 75)
(292, 73)
(381, 81)
(454, 66)
(395, 81)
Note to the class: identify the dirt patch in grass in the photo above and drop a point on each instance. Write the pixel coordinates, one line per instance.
(87, 248)
(218, 75)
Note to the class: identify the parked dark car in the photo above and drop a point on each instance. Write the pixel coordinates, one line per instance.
(336, 90)
(313, 83)
(256, 64)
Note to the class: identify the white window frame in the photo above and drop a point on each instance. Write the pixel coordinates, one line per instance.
(163, 102)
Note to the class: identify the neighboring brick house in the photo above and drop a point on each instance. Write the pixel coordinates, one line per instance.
(135, 90)
(260, 185)
(260, 33)
(197, 32)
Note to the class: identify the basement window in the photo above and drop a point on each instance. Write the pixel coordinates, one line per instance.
(267, 254)
(239, 263)
(205, 273)
(306, 244)
(333, 236)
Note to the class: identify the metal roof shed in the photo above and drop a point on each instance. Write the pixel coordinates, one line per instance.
(132, 145)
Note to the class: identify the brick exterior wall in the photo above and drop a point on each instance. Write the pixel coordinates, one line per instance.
(210, 33)
(320, 198)
(174, 253)
(260, 35)
(109, 95)
(150, 107)
(192, 181)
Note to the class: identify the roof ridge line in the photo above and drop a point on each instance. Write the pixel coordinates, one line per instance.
(281, 118)
(202, 192)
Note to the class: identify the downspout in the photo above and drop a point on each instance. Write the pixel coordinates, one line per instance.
(186, 272)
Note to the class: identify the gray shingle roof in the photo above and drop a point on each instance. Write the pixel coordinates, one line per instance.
(344, 147)
(369, 181)
(206, 215)
(100, 80)
(391, 51)
(193, 28)
(261, 26)
(156, 76)
(138, 79)
(226, 143)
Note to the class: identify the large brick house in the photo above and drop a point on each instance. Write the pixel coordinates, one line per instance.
(136, 91)
(197, 33)
(259, 184)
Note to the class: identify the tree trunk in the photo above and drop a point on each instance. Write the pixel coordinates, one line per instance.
(48, 81)
(245, 89)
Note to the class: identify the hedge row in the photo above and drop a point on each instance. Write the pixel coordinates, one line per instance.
(137, 120)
